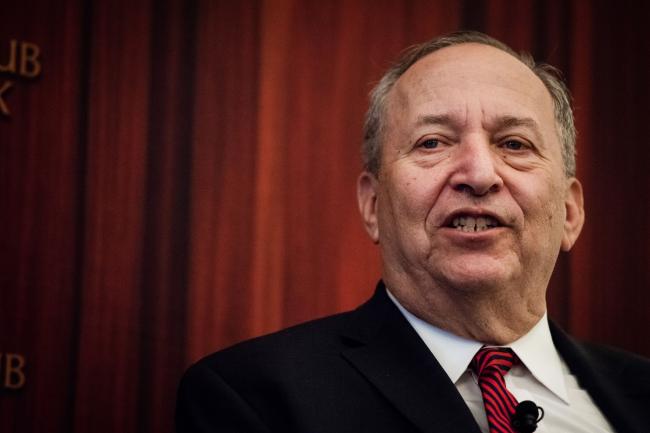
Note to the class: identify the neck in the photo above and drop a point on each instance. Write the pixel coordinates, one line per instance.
(496, 316)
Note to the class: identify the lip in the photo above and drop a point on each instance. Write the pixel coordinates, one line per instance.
(472, 241)
(472, 238)
(473, 212)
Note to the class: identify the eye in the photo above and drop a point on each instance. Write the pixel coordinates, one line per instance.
(429, 143)
(513, 145)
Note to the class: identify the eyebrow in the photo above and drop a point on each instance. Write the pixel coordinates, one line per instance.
(435, 119)
(504, 122)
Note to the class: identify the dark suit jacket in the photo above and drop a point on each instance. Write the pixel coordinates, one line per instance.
(368, 371)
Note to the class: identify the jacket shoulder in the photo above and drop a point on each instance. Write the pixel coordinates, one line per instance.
(632, 370)
(277, 380)
(310, 339)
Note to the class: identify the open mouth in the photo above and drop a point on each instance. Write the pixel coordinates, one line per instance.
(468, 223)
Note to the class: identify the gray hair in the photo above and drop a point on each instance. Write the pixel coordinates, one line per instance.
(374, 126)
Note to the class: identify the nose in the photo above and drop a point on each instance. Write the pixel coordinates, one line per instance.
(475, 171)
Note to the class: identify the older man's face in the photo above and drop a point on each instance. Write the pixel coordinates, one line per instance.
(471, 191)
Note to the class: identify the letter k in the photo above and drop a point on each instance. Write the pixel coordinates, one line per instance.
(3, 106)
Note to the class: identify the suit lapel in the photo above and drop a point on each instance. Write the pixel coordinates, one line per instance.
(603, 389)
(390, 354)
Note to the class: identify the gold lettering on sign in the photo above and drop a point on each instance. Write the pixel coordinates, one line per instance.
(10, 66)
(23, 63)
(3, 106)
(30, 67)
(14, 370)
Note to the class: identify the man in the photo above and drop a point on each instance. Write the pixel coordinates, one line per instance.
(469, 191)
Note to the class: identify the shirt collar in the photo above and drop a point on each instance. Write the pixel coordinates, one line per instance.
(538, 353)
(454, 354)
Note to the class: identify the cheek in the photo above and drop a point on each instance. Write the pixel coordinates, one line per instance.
(404, 203)
(415, 195)
(543, 209)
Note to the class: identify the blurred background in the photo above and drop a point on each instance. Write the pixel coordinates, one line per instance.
(177, 176)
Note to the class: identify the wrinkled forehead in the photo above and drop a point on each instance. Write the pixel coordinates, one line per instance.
(459, 75)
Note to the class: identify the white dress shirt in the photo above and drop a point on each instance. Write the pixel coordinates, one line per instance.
(542, 376)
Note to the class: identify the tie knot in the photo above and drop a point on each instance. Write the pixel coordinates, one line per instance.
(493, 359)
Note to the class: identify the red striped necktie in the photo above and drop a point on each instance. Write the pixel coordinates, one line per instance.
(490, 365)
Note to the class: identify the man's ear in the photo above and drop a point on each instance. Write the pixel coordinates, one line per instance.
(367, 199)
(575, 214)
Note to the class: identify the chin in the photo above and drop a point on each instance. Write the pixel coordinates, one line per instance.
(472, 278)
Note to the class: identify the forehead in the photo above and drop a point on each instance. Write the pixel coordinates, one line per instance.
(464, 78)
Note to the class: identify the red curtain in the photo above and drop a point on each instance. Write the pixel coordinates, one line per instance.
(181, 176)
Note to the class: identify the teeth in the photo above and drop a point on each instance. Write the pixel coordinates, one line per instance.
(472, 224)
